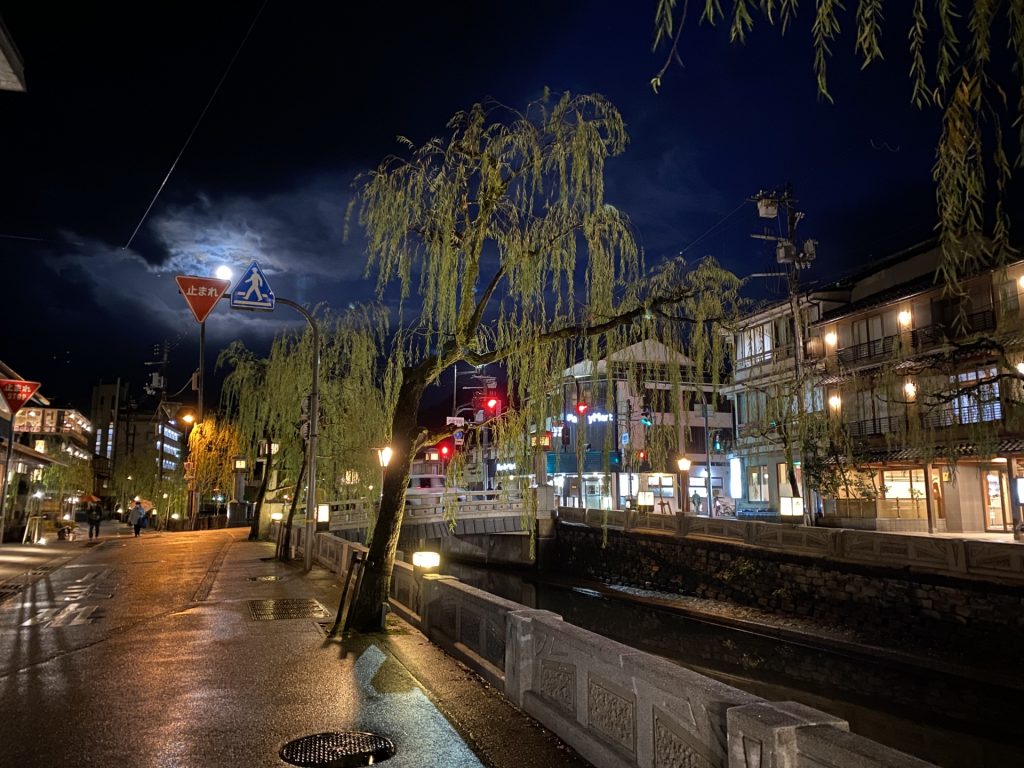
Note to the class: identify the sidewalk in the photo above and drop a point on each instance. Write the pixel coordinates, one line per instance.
(245, 667)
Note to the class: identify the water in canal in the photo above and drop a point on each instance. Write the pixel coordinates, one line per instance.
(938, 716)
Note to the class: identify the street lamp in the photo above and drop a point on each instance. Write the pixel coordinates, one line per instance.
(241, 465)
(684, 484)
(384, 457)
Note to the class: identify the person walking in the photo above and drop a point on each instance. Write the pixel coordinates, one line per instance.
(95, 517)
(137, 516)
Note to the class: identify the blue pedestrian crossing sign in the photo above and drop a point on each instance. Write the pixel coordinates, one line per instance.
(252, 291)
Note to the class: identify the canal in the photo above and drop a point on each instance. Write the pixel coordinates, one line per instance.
(937, 713)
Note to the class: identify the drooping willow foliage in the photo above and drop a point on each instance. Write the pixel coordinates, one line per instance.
(500, 245)
(212, 445)
(263, 397)
(967, 61)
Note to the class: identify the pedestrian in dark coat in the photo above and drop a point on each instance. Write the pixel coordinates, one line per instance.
(95, 517)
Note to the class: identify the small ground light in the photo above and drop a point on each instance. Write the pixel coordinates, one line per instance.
(426, 559)
(277, 517)
(323, 513)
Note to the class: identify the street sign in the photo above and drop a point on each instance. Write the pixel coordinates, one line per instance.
(252, 291)
(17, 392)
(458, 421)
(459, 437)
(201, 293)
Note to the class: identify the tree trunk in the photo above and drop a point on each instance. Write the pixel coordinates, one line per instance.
(367, 609)
(283, 554)
(254, 531)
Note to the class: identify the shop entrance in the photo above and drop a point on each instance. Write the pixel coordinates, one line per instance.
(996, 490)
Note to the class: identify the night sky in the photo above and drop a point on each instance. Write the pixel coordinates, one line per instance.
(320, 91)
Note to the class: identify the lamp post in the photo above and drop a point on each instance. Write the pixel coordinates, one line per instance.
(241, 465)
(684, 484)
(384, 457)
(192, 506)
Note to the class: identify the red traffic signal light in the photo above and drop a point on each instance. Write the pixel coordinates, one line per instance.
(582, 408)
(641, 455)
(445, 450)
(493, 403)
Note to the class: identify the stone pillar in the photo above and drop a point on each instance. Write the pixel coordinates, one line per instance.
(765, 735)
(520, 655)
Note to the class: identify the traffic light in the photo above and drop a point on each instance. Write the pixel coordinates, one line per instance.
(445, 452)
(582, 408)
(717, 442)
(645, 412)
(493, 405)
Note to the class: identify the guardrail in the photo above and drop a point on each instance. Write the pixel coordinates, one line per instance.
(425, 509)
(614, 705)
(955, 557)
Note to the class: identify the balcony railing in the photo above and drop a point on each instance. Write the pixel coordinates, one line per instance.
(868, 350)
(776, 354)
(881, 425)
(921, 339)
(974, 413)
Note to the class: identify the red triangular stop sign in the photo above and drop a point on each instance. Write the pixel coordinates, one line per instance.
(201, 293)
(17, 392)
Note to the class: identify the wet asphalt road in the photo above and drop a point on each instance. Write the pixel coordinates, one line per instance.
(143, 652)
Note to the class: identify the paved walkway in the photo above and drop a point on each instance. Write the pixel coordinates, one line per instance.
(213, 686)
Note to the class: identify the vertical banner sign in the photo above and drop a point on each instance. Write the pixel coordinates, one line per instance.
(201, 293)
(15, 393)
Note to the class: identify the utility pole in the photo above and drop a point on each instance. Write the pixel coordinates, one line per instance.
(796, 255)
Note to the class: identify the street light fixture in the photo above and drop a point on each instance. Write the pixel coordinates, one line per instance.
(384, 458)
(684, 484)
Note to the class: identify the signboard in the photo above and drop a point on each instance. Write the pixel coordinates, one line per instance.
(252, 291)
(459, 437)
(201, 293)
(17, 392)
(458, 421)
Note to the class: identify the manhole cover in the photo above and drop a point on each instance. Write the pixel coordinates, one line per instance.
(344, 749)
(289, 608)
(264, 578)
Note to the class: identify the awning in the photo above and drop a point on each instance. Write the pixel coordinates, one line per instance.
(938, 452)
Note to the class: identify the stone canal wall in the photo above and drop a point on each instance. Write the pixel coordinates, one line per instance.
(616, 706)
(897, 604)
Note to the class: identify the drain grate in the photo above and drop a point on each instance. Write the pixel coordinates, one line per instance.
(264, 578)
(288, 608)
(345, 749)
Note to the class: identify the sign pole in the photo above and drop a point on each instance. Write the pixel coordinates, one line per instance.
(7, 472)
(193, 486)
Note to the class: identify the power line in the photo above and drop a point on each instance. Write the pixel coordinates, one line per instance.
(195, 126)
(714, 227)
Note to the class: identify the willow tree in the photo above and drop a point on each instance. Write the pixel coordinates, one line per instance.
(498, 244)
(965, 62)
(263, 399)
(212, 446)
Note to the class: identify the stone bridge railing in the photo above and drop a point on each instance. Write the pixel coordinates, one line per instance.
(432, 510)
(616, 706)
(1003, 561)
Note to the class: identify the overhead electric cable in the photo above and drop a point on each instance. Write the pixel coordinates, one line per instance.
(195, 126)
(715, 226)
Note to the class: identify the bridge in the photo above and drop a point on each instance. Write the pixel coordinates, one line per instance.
(492, 526)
